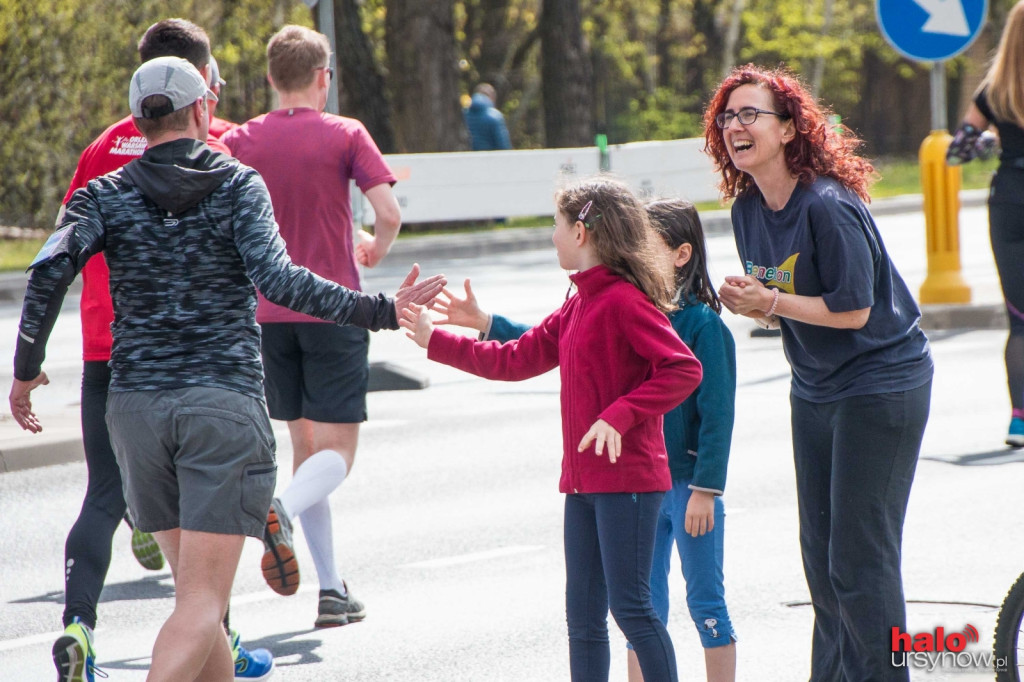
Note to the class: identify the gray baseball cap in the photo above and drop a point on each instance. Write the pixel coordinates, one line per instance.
(172, 77)
(215, 78)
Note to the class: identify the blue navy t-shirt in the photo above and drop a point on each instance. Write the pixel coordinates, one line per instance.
(824, 242)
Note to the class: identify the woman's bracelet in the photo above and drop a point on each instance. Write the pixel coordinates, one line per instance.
(775, 304)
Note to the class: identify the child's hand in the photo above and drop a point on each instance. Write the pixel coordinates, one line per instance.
(416, 321)
(464, 312)
(700, 513)
(605, 434)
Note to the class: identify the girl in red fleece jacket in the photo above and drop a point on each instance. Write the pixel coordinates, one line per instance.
(622, 367)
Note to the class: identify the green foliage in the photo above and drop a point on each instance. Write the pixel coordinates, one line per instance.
(65, 69)
(16, 254)
(903, 176)
(65, 66)
(662, 115)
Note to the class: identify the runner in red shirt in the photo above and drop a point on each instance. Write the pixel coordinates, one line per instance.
(218, 126)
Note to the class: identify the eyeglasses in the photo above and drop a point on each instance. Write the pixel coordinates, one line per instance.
(328, 69)
(746, 115)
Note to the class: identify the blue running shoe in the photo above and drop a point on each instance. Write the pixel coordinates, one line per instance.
(1015, 437)
(74, 656)
(255, 665)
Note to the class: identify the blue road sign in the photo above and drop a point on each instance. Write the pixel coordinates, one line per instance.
(931, 30)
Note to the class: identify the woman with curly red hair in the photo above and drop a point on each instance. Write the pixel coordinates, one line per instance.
(816, 267)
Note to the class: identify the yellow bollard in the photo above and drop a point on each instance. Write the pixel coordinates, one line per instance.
(941, 186)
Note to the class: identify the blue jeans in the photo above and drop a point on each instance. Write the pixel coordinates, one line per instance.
(609, 541)
(855, 461)
(701, 558)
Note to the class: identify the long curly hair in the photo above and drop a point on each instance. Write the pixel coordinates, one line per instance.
(819, 148)
(621, 234)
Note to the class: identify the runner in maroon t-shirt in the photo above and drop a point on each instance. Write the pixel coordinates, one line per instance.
(316, 374)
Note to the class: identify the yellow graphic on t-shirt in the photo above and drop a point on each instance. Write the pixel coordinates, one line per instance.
(780, 277)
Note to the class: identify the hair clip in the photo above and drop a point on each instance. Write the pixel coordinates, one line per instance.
(586, 209)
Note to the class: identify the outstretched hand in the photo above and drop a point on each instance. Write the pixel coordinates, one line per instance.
(419, 293)
(21, 403)
(416, 322)
(605, 435)
(464, 312)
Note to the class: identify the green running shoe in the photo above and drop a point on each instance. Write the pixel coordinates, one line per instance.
(74, 656)
(146, 551)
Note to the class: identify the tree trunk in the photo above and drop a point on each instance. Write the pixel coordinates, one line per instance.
(361, 83)
(706, 32)
(566, 81)
(663, 40)
(732, 36)
(819, 61)
(886, 129)
(423, 76)
(495, 42)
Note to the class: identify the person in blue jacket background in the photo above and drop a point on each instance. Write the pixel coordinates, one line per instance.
(486, 124)
(698, 435)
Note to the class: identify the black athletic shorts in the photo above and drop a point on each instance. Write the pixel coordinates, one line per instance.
(317, 371)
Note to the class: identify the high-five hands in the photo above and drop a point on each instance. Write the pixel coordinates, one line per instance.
(412, 292)
(606, 436)
(464, 312)
(21, 403)
(416, 322)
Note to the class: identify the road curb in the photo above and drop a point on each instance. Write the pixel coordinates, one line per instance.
(967, 316)
(33, 451)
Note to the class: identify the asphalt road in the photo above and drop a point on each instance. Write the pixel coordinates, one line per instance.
(449, 528)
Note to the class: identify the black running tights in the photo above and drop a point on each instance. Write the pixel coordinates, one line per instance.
(87, 550)
(1006, 227)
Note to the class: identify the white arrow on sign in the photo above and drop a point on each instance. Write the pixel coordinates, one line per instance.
(944, 16)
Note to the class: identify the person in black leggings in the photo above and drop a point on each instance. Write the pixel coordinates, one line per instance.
(86, 554)
(999, 103)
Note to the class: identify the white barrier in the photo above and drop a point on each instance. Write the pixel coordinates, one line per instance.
(505, 184)
(674, 168)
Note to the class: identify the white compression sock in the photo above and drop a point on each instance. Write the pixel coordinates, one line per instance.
(315, 479)
(316, 526)
(306, 498)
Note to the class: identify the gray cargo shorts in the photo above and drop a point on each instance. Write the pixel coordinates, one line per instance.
(199, 459)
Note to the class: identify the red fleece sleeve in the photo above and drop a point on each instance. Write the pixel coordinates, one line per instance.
(532, 354)
(675, 374)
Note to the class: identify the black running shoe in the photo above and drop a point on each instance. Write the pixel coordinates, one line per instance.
(335, 610)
